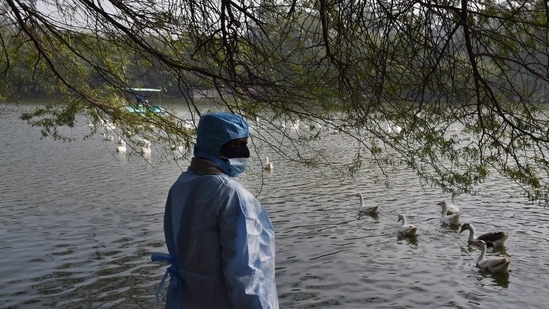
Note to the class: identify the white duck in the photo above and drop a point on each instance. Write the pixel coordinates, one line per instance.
(366, 210)
(175, 147)
(107, 125)
(393, 128)
(447, 219)
(268, 165)
(108, 137)
(492, 264)
(122, 147)
(452, 207)
(406, 229)
(146, 150)
(492, 239)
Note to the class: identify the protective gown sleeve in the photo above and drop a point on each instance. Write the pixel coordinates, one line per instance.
(247, 241)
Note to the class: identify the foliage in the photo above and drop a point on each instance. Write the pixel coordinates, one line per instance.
(455, 90)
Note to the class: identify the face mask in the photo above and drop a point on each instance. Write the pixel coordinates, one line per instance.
(235, 152)
(239, 164)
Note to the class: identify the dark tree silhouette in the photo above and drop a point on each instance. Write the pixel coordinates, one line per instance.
(455, 90)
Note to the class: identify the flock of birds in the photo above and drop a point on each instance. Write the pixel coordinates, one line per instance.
(450, 216)
(122, 145)
(122, 148)
(146, 147)
(108, 136)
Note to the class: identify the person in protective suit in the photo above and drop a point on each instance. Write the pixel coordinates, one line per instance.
(219, 237)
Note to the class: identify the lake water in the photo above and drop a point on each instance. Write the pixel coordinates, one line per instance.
(79, 222)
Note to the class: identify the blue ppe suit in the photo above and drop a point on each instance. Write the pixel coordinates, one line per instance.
(219, 237)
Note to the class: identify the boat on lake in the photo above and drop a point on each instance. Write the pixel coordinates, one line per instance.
(142, 104)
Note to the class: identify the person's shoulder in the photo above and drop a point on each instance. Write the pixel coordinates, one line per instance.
(240, 190)
(189, 177)
(232, 183)
(228, 183)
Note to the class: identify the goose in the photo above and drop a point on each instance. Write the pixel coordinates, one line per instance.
(108, 125)
(108, 136)
(492, 264)
(406, 229)
(146, 149)
(452, 207)
(141, 140)
(122, 147)
(492, 239)
(366, 210)
(177, 148)
(393, 128)
(268, 165)
(333, 130)
(447, 219)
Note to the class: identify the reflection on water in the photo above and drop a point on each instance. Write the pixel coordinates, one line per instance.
(79, 222)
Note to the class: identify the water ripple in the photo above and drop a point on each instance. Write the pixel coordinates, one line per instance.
(79, 223)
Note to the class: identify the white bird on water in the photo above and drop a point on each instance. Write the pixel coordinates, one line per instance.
(493, 264)
(492, 239)
(366, 210)
(452, 207)
(122, 147)
(268, 165)
(107, 125)
(406, 229)
(393, 128)
(447, 219)
(146, 150)
(108, 137)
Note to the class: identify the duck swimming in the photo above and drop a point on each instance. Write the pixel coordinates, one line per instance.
(366, 210)
(406, 229)
(492, 239)
(492, 264)
(452, 207)
(268, 165)
(122, 147)
(452, 219)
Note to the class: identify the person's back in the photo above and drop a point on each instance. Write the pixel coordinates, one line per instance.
(220, 235)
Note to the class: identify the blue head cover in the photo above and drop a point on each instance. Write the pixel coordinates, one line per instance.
(214, 130)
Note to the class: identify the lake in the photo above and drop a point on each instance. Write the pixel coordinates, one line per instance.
(79, 222)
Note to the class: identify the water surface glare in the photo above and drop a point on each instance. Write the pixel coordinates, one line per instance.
(79, 222)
